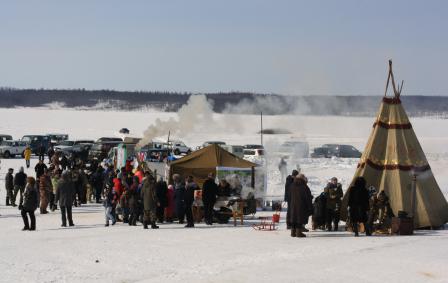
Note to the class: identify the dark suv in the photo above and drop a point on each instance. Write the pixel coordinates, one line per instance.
(101, 147)
(36, 141)
(337, 150)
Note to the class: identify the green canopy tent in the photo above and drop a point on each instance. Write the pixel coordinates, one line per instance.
(204, 161)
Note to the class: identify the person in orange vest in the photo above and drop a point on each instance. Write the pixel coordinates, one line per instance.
(27, 156)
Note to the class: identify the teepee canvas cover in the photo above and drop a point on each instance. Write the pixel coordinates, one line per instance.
(392, 157)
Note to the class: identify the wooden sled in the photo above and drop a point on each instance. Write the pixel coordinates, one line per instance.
(266, 224)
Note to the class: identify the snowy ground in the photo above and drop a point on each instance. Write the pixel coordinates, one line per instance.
(221, 253)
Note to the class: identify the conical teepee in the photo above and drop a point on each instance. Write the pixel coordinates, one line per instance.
(393, 157)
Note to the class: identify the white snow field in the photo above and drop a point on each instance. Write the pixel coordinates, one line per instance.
(90, 252)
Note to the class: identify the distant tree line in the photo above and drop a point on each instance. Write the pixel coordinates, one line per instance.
(238, 102)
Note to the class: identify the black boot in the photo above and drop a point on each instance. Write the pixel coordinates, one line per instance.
(293, 231)
(145, 225)
(355, 229)
(154, 226)
(299, 233)
(368, 230)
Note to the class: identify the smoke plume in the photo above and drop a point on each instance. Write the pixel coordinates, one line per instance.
(193, 116)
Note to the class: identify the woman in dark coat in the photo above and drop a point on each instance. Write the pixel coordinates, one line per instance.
(209, 192)
(132, 201)
(301, 206)
(65, 195)
(30, 203)
(179, 198)
(161, 191)
(358, 203)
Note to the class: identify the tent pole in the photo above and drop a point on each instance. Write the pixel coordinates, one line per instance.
(413, 194)
(261, 126)
(252, 178)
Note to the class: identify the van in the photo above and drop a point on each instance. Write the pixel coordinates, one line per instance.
(247, 153)
(36, 141)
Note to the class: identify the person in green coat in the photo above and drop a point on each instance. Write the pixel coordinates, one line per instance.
(150, 201)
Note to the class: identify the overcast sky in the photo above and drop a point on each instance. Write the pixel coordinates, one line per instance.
(286, 47)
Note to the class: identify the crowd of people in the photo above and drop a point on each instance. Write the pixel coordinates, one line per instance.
(132, 194)
(367, 208)
(129, 194)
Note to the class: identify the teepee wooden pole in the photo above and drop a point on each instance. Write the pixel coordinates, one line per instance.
(396, 93)
(387, 83)
(401, 86)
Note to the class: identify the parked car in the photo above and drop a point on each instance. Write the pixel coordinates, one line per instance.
(207, 143)
(35, 141)
(109, 139)
(84, 142)
(237, 150)
(253, 152)
(255, 155)
(154, 151)
(253, 146)
(101, 148)
(337, 150)
(178, 147)
(124, 131)
(63, 145)
(295, 148)
(12, 148)
(57, 138)
(66, 146)
(80, 151)
(5, 138)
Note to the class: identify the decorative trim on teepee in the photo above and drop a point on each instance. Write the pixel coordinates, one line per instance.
(394, 166)
(392, 100)
(392, 126)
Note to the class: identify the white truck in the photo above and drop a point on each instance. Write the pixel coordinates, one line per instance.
(12, 148)
(178, 147)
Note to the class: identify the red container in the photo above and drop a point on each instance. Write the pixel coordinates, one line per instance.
(276, 218)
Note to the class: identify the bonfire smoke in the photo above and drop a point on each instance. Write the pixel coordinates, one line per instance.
(193, 116)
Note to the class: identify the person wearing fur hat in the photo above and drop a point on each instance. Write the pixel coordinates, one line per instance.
(288, 183)
(333, 193)
(19, 186)
(9, 186)
(30, 203)
(150, 201)
(45, 189)
(301, 206)
(65, 195)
